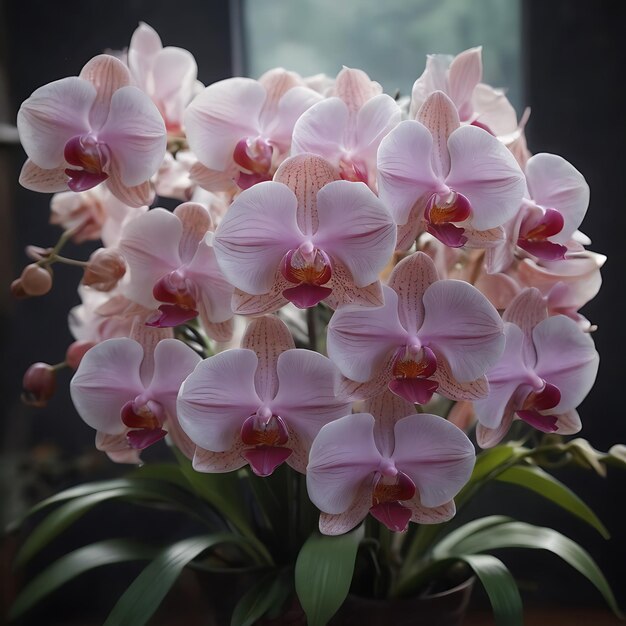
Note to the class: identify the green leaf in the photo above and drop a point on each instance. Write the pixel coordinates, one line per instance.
(74, 564)
(489, 460)
(447, 545)
(539, 481)
(166, 472)
(324, 570)
(269, 593)
(522, 535)
(500, 587)
(145, 594)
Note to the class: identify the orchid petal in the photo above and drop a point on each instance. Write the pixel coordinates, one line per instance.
(259, 228)
(387, 408)
(462, 325)
(527, 310)
(405, 172)
(291, 107)
(356, 228)
(38, 179)
(145, 44)
(451, 388)
(299, 456)
(421, 514)
(219, 462)
(246, 304)
(135, 133)
(555, 183)
(220, 116)
(196, 221)
(306, 396)
(359, 339)
(566, 358)
(106, 379)
(568, 423)
(344, 291)
(53, 115)
(435, 454)
(117, 448)
(464, 75)
(342, 457)
(135, 196)
(484, 171)
(490, 437)
(357, 511)
(355, 88)
(376, 118)
(217, 397)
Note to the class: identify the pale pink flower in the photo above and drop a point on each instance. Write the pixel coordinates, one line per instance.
(303, 238)
(547, 368)
(172, 267)
(81, 131)
(347, 127)
(240, 128)
(127, 390)
(554, 207)
(168, 75)
(458, 182)
(262, 404)
(430, 335)
(395, 465)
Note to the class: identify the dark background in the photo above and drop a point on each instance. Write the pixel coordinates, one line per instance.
(574, 60)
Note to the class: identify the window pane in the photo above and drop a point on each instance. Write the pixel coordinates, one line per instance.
(389, 40)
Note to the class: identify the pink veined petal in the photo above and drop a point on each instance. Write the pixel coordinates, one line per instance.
(145, 44)
(135, 196)
(376, 118)
(299, 448)
(494, 110)
(410, 279)
(405, 172)
(465, 73)
(321, 130)
(421, 514)
(341, 523)
(36, 178)
(435, 454)
(387, 408)
(245, 304)
(504, 379)
(221, 115)
(259, 228)
(433, 78)
(566, 358)
(462, 325)
(490, 437)
(219, 462)
(135, 133)
(107, 378)
(53, 115)
(344, 291)
(359, 339)
(117, 449)
(568, 423)
(451, 388)
(150, 246)
(342, 457)
(527, 310)
(217, 397)
(484, 171)
(355, 88)
(214, 292)
(356, 228)
(276, 82)
(306, 397)
(196, 222)
(440, 116)
(268, 337)
(555, 183)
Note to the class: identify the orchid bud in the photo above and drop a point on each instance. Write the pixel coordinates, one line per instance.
(104, 269)
(17, 289)
(76, 351)
(39, 384)
(36, 280)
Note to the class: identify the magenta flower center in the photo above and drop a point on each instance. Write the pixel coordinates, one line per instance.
(411, 370)
(92, 159)
(440, 213)
(178, 295)
(146, 420)
(254, 158)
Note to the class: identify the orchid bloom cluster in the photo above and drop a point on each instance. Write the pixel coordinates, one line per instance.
(447, 257)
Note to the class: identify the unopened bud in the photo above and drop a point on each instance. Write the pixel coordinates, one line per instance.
(76, 351)
(39, 384)
(17, 289)
(104, 269)
(36, 280)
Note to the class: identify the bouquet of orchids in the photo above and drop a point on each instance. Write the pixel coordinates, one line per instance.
(351, 287)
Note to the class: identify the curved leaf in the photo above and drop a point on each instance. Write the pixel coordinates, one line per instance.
(324, 570)
(500, 587)
(447, 545)
(539, 481)
(522, 535)
(74, 564)
(145, 594)
(269, 593)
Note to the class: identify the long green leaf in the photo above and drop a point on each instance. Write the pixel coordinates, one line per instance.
(324, 570)
(145, 594)
(74, 564)
(269, 593)
(542, 483)
(490, 460)
(522, 535)
(500, 587)
(446, 546)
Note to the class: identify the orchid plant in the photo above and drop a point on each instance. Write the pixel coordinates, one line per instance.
(352, 290)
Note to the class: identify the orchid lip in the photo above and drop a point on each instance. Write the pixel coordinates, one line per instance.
(259, 430)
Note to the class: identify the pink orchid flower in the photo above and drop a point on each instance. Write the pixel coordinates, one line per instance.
(395, 465)
(240, 128)
(547, 368)
(303, 238)
(459, 182)
(554, 207)
(347, 128)
(81, 131)
(172, 266)
(430, 335)
(262, 404)
(167, 75)
(126, 390)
